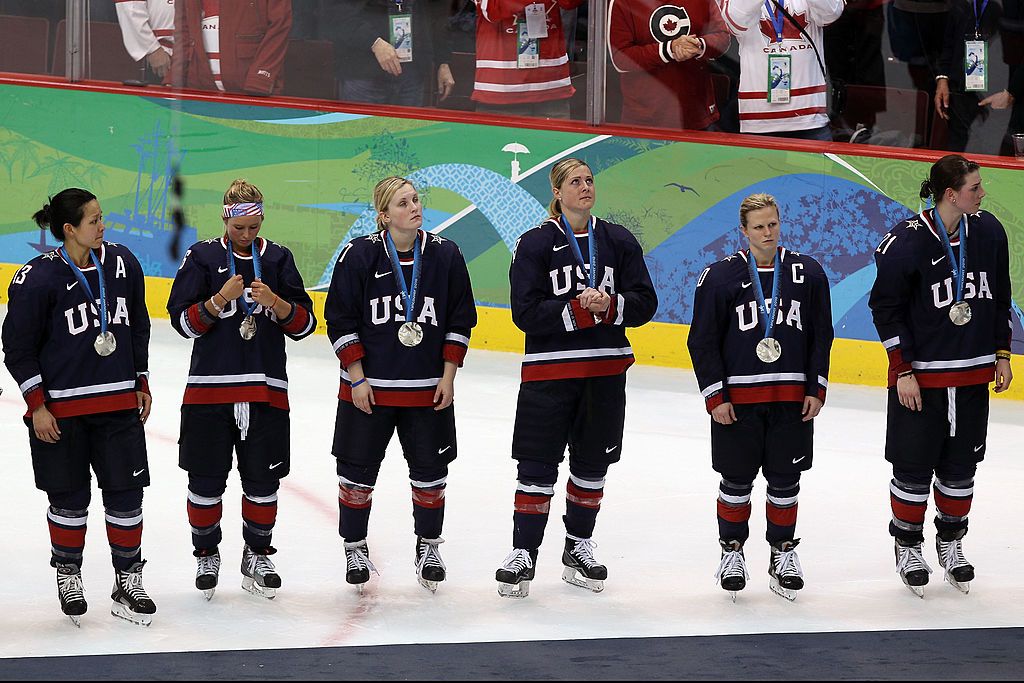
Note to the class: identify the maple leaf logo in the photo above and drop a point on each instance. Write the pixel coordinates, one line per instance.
(789, 32)
(669, 25)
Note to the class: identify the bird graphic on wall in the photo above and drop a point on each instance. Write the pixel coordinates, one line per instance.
(683, 188)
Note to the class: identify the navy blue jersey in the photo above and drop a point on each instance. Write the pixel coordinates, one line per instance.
(364, 312)
(727, 327)
(563, 339)
(226, 368)
(914, 290)
(51, 326)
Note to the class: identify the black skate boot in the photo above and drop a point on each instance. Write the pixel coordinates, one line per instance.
(732, 570)
(516, 572)
(959, 572)
(131, 602)
(357, 563)
(71, 592)
(430, 569)
(581, 569)
(787, 577)
(207, 570)
(912, 568)
(258, 574)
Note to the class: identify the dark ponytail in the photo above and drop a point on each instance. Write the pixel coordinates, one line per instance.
(949, 172)
(64, 207)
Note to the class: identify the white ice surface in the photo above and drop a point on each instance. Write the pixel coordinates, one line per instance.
(656, 532)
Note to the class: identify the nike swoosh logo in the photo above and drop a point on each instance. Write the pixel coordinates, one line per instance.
(559, 248)
(276, 464)
(747, 284)
(222, 269)
(380, 275)
(796, 460)
(936, 260)
(442, 450)
(978, 448)
(72, 286)
(135, 474)
(609, 450)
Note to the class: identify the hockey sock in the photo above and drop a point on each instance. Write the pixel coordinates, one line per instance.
(908, 495)
(124, 526)
(781, 506)
(205, 509)
(734, 508)
(534, 490)
(259, 512)
(583, 494)
(355, 496)
(66, 518)
(428, 502)
(954, 492)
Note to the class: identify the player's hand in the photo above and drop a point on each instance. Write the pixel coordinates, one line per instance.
(159, 61)
(145, 405)
(362, 398)
(812, 406)
(445, 81)
(445, 393)
(233, 288)
(44, 424)
(387, 57)
(909, 392)
(262, 294)
(1004, 375)
(600, 303)
(723, 414)
(942, 98)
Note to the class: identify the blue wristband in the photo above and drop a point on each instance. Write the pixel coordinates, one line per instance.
(356, 384)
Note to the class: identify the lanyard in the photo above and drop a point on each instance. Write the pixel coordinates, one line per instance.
(408, 297)
(958, 271)
(767, 317)
(778, 19)
(85, 284)
(574, 245)
(256, 270)
(978, 15)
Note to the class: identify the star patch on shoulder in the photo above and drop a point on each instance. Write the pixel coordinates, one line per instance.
(915, 224)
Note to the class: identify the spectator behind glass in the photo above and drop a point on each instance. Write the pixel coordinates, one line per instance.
(663, 52)
(147, 27)
(955, 100)
(915, 37)
(519, 70)
(766, 37)
(231, 45)
(1012, 31)
(853, 44)
(387, 49)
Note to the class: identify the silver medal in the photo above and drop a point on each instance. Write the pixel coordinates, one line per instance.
(769, 350)
(960, 313)
(410, 334)
(248, 328)
(105, 343)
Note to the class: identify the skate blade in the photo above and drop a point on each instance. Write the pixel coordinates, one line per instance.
(964, 586)
(786, 593)
(76, 620)
(208, 593)
(122, 612)
(429, 585)
(916, 590)
(574, 578)
(516, 591)
(250, 586)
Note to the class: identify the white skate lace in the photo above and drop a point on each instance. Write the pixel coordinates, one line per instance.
(911, 560)
(258, 565)
(131, 585)
(787, 563)
(70, 586)
(517, 561)
(732, 564)
(583, 551)
(356, 558)
(951, 555)
(208, 564)
(429, 555)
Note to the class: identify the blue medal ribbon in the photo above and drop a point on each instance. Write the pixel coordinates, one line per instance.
(85, 284)
(767, 316)
(574, 245)
(958, 271)
(257, 270)
(408, 291)
(778, 19)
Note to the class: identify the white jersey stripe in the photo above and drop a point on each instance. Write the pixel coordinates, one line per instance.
(92, 389)
(238, 379)
(953, 364)
(348, 338)
(522, 87)
(512, 64)
(771, 377)
(580, 353)
(30, 382)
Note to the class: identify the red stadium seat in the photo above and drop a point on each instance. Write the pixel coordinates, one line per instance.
(24, 44)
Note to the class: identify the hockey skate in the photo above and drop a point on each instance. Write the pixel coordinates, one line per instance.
(430, 569)
(787, 577)
(71, 592)
(131, 602)
(516, 573)
(732, 570)
(207, 571)
(912, 568)
(959, 572)
(258, 574)
(581, 569)
(357, 563)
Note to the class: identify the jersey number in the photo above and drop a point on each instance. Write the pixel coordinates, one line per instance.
(886, 242)
(19, 277)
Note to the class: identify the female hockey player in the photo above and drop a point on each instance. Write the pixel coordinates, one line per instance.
(762, 367)
(577, 283)
(399, 313)
(76, 339)
(941, 304)
(237, 297)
